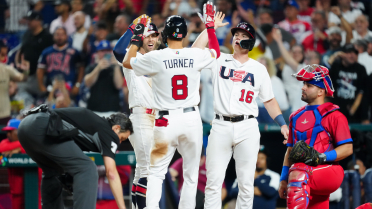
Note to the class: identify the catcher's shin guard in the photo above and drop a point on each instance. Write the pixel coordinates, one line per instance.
(298, 194)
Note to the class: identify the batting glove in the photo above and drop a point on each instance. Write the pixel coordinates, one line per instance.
(138, 20)
(139, 31)
(208, 15)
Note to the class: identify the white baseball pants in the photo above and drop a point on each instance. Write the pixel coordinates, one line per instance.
(141, 140)
(242, 140)
(184, 133)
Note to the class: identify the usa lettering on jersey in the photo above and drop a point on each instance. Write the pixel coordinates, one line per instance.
(237, 76)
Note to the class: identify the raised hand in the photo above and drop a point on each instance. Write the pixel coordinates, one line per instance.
(218, 20)
(208, 15)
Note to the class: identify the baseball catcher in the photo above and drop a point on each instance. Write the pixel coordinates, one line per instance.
(319, 137)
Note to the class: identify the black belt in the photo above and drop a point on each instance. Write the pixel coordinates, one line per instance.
(185, 110)
(234, 119)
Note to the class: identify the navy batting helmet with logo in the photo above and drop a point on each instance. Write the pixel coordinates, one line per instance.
(175, 27)
(246, 44)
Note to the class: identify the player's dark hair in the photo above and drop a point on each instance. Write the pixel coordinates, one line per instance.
(102, 25)
(122, 120)
(175, 39)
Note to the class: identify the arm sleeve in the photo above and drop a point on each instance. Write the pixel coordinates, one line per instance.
(42, 60)
(213, 42)
(339, 130)
(266, 90)
(121, 45)
(143, 65)
(264, 186)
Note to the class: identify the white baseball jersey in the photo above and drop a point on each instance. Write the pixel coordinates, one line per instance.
(175, 75)
(236, 86)
(140, 92)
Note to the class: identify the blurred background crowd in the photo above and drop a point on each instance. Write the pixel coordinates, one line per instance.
(59, 52)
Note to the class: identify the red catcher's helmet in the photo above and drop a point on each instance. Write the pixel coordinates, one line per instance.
(317, 75)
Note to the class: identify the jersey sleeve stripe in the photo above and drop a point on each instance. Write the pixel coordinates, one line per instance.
(289, 145)
(344, 141)
(40, 65)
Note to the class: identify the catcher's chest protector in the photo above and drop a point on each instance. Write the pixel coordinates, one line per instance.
(307, 126)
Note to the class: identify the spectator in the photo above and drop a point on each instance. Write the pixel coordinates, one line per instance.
(305, 10)
(65, 18)
(107, 12)
(334, 40)
(60, 59)
(8, 147)
(17, 10)
(349, 80)
(266, 22)
(105, 198)
(369, 48)
(361, 28)
(59, 96)
(120, 27)
(292, 24)
(279, 92)
(8, 73)
(105, 80)
(194, 27)
(157, 19)
(347, 35)
(225, 7)
(19, 100)
(363, 57)
(180, 7)
(266, 184)
(347, 12)
(323, 5)
(176, 172)
(92, 41)
(78, 6)
(294, 62)
(34, 41)
(317, 39)
(4, 13)
(81, 32)
(3, 52)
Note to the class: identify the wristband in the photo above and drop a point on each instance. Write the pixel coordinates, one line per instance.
(280, 120)
(284, 175)
(331, 156)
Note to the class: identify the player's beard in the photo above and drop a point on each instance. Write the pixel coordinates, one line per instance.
(259, 169)
(307, 98)
(61, 43)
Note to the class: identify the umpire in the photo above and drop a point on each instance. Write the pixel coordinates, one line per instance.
(56, 139)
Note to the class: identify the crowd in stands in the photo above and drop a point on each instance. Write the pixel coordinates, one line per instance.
(59, 52)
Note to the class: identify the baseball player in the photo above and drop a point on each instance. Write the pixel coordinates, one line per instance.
(237, 81)
(141, 101)
(321, 137)
(175, 73)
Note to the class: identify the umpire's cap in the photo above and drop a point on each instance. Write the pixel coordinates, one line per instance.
(247, 44)
(175, 27)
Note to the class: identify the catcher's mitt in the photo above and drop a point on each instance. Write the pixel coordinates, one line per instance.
(303, 153)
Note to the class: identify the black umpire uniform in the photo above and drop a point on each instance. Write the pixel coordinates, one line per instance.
(56, 139)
